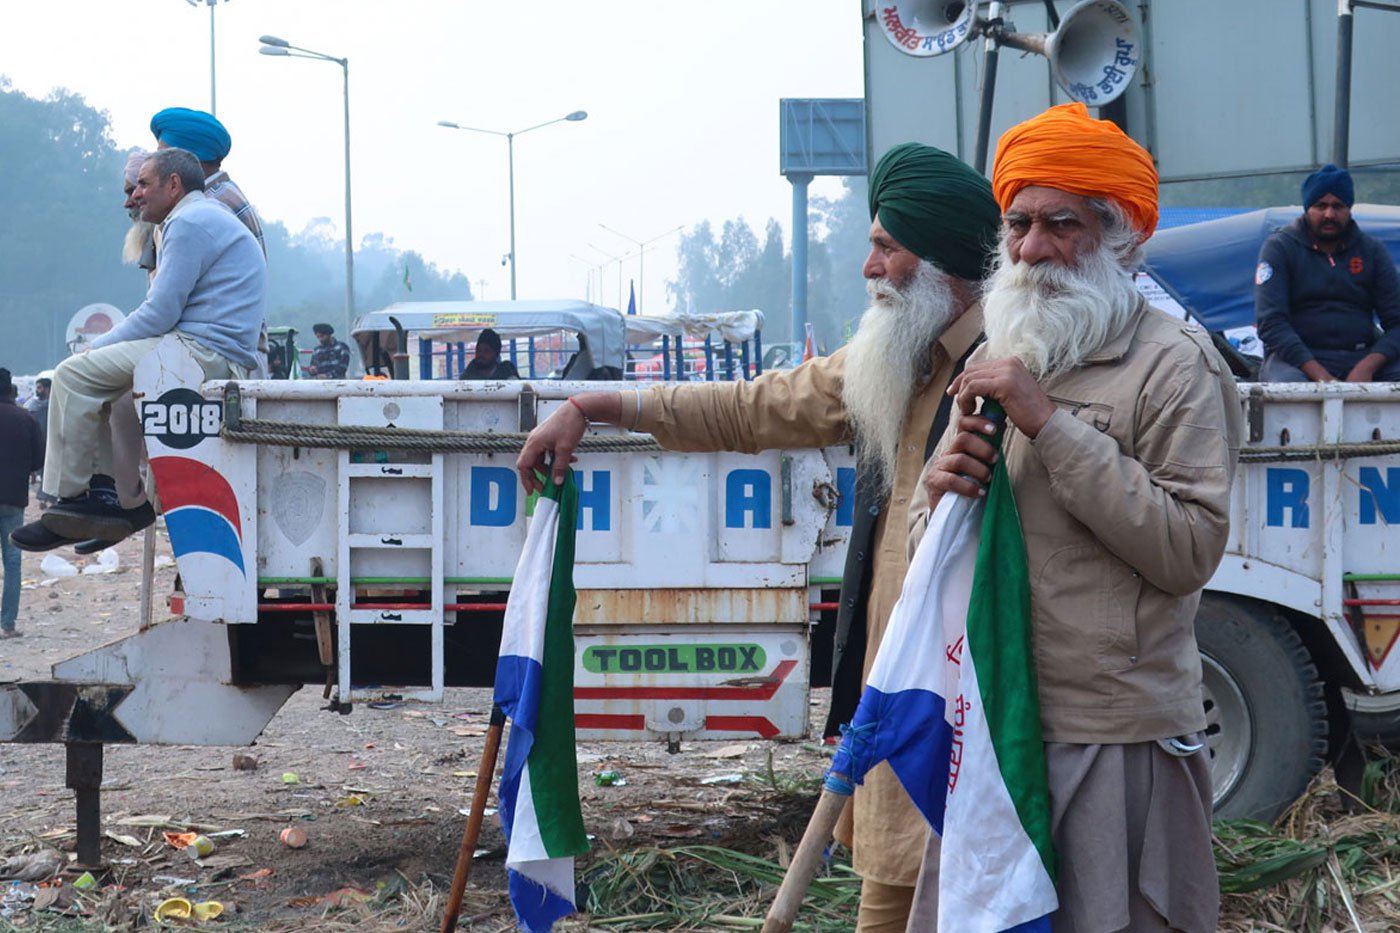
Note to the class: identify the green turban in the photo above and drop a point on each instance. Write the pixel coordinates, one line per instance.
(937, 207)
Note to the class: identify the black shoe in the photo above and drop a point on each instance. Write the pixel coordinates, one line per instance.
(37, 537)
(78, 518)
(140, 517)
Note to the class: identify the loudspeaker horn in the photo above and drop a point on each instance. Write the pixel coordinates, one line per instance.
(1094, 53)
(926, 27)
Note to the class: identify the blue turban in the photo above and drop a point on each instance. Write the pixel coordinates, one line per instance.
(193, 130)
(1328, 180)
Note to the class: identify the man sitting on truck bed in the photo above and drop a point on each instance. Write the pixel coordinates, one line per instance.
(486, 362)
(1318, 289)
(1123, 431)
(933, 220)
(208, 290)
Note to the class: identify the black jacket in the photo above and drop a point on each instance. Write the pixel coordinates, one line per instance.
(1306, 300)
(501, 369)
(22, 445)
(848, 656)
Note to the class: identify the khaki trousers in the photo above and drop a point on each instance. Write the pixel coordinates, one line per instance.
(1131, 827)
(123, 445)
(85, 388)
(884, 908)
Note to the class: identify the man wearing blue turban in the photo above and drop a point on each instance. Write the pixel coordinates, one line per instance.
(1320, 289)
(208, 140)
(202, 133)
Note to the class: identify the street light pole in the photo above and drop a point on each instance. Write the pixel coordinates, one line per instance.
(213, 94)
(574, 117)
(611, 259)
(271, 45)
(592, 269)
(213, 85)
(349, 237)
(510, 158)
(641, 260)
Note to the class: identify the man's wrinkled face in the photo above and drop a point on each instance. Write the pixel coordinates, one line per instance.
(1049, 225)
(888, 259)
(132, 210)
(1328, 217)
(155, 197)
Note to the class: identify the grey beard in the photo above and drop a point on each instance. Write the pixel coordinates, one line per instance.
(1051, 317)
(887, 360)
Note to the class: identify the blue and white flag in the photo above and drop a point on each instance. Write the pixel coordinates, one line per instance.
(951, 704)
(540, 810)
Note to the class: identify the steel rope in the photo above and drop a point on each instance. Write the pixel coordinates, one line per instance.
(356, 437)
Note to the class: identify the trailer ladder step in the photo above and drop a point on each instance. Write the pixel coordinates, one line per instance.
(386, 508)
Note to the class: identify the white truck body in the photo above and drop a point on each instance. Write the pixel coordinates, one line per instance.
(1320, 535)
(692, 569)
(701, 576)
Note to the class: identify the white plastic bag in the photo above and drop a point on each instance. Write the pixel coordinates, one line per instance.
(54, 566)
(107, 562)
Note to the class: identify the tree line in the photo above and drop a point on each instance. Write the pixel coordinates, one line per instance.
(61, 181)
(732, 270)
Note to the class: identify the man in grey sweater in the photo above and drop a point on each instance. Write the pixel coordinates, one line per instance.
(209, 290)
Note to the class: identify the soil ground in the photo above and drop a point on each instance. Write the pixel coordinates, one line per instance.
(380, 793)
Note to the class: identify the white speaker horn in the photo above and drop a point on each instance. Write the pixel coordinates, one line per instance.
(926, 27)
(1094, 53)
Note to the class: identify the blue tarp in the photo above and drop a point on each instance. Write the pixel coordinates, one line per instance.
(1169, 217)
(1209, 267)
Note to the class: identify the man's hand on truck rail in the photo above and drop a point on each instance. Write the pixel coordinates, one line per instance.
(559, 434)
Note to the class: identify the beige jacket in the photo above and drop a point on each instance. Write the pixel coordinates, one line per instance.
(1124, 502)
(802, 408)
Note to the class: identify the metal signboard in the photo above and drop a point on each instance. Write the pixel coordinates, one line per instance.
(822, 136)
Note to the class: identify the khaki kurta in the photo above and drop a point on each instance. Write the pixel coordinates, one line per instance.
(802, 408)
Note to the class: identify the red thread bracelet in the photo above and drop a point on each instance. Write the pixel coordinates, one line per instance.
(587, 421)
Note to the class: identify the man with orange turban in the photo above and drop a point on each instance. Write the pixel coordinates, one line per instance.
(1123, 432)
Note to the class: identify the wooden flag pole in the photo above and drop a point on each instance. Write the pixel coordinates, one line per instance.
(805, 862)
(484, 776)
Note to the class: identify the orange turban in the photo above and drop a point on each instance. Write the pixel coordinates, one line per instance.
(1067, 149)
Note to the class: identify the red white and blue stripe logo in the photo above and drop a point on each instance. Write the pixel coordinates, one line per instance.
(201, 510)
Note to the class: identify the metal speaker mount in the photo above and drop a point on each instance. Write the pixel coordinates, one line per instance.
(1094, 53)
(926, 27)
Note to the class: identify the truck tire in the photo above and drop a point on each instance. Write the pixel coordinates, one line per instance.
(1265, 711)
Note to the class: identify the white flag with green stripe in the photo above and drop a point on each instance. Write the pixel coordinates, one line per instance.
(540, 810)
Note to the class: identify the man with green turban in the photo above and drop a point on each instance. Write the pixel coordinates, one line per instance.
(933, 229)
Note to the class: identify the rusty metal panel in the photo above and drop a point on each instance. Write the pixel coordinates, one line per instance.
(691, 607)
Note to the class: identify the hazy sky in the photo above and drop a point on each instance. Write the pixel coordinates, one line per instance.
(682, 102)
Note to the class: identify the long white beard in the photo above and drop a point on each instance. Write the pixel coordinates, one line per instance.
(888, 359)
(1051, 317)
(138, 235)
